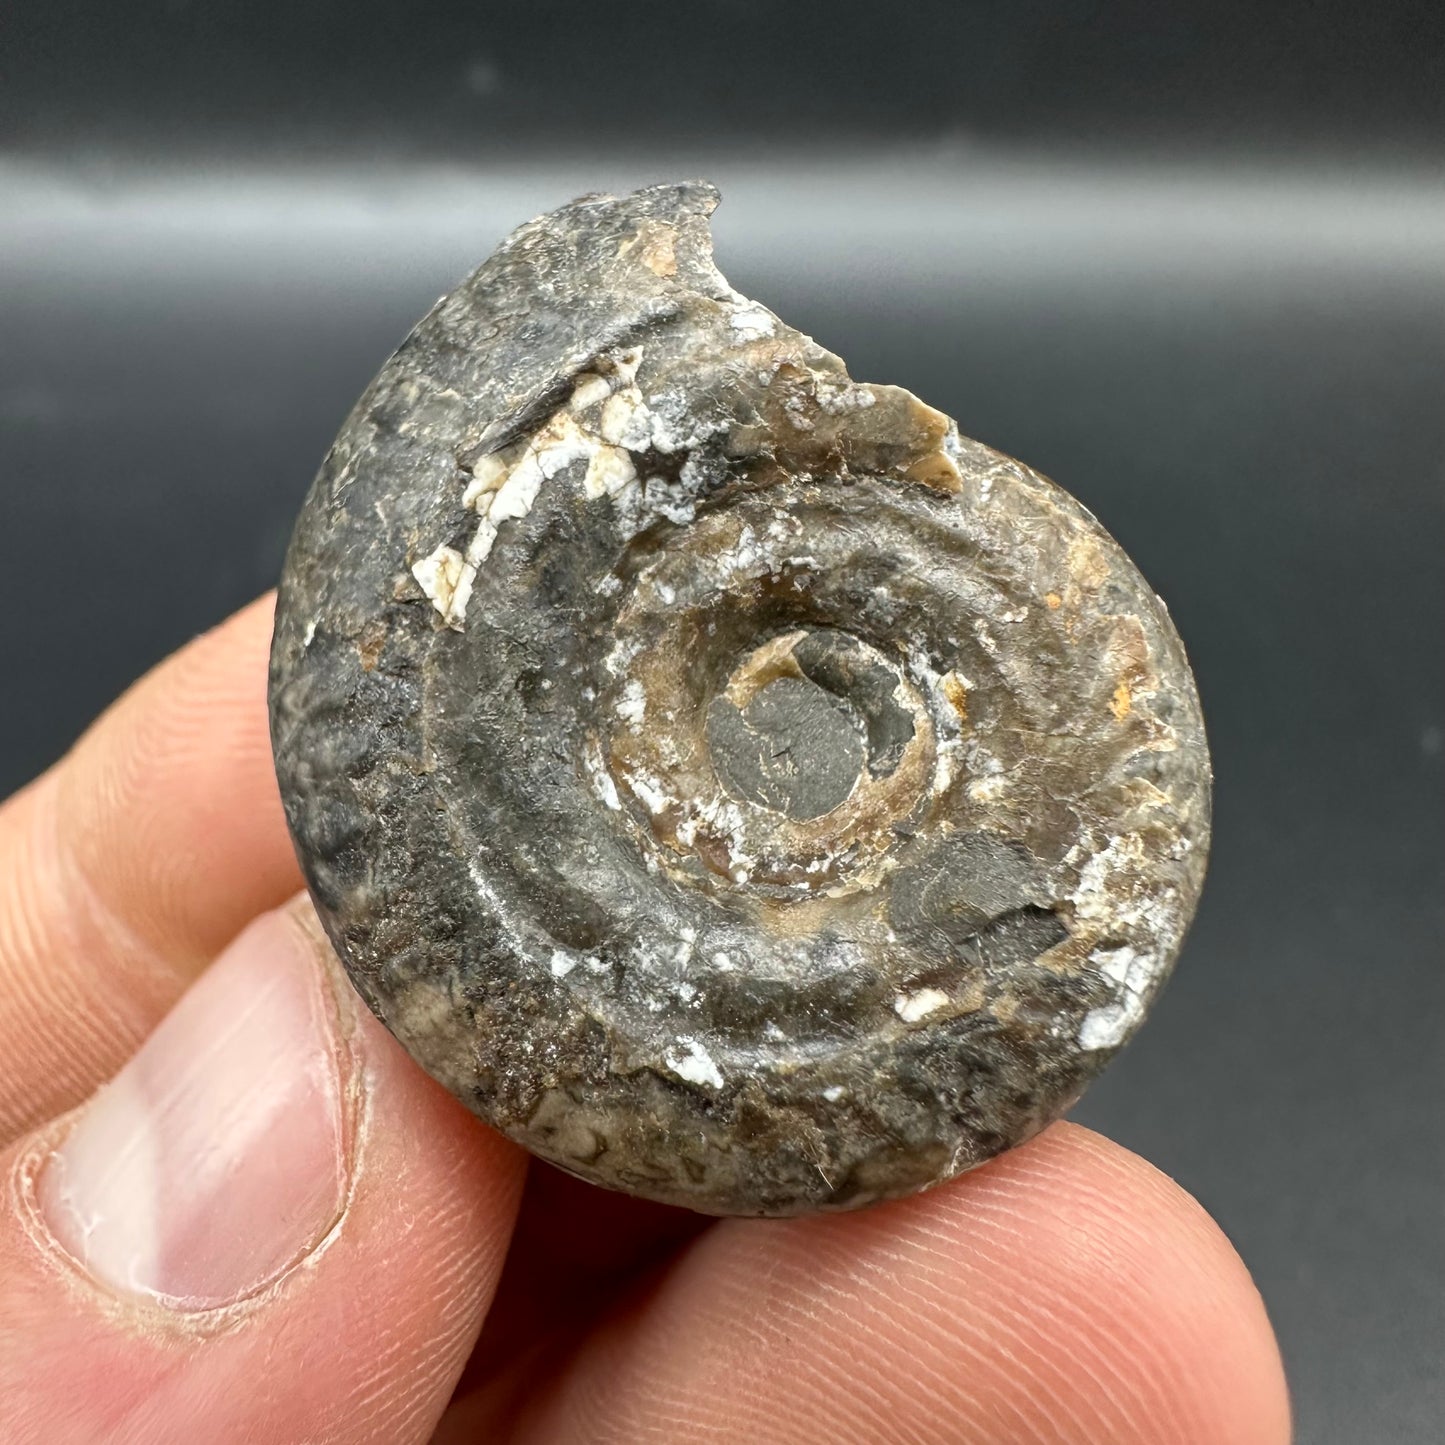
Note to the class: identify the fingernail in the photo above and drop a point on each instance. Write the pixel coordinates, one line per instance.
(217, 1157)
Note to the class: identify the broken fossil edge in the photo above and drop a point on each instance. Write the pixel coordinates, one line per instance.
(732, 783)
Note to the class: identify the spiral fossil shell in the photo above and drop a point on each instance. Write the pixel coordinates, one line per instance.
(731, 782)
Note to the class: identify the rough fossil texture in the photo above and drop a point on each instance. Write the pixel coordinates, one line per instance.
(731, 782)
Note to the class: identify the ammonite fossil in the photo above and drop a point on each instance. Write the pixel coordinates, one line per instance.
(731, 782)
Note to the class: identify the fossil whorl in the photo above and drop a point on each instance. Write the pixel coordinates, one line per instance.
(731, 782)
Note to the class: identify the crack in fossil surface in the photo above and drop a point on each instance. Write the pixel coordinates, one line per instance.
(730, 781)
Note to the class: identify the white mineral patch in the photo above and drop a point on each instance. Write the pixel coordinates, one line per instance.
(626, 420)
(798, 413)
(632, 705)
(690, 1061)
(624, 365)
(833, 1093)
(1103, 894)
(562, 964)
(489, 896)
(1103, 1028)
(697, 474)
(1091, 897)
(1126, 967)
(673, 426)
(922, 670)
(943, 764)
(754, 556)
(504, 485)
(988, 790)
(988, 780)
(726, 821)
(911, 1007)
(488, 474)
(1132, 973)
(588, 389)
(449, 584)
(602, 782)
(441, 576)
(560, 443)
(609, 470)
(751, 322)
(837, 400)
(650, 791)
(621, 655)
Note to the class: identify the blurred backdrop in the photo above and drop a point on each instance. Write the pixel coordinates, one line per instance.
(1187, 259)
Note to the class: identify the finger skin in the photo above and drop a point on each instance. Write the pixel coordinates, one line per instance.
(1068, 1292)
(560, 1275)
(361, 1341)
(130, 864)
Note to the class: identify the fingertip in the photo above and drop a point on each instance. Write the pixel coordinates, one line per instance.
(168, 806)
(270, 1191)
(1170, 1334)
(1065, 1292)
(130, 864)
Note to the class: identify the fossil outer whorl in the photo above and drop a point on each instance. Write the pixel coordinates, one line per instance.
(732, 783)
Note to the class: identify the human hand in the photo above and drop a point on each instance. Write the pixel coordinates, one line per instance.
(272, 1227)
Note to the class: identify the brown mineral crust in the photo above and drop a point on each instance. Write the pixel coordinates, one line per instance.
(732, 783)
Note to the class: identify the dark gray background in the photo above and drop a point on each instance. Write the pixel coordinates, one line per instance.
(1186, 259)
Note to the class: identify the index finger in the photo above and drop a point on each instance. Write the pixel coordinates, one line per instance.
(131, 863)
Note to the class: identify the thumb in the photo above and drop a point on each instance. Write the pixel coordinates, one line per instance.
(271, 1226)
